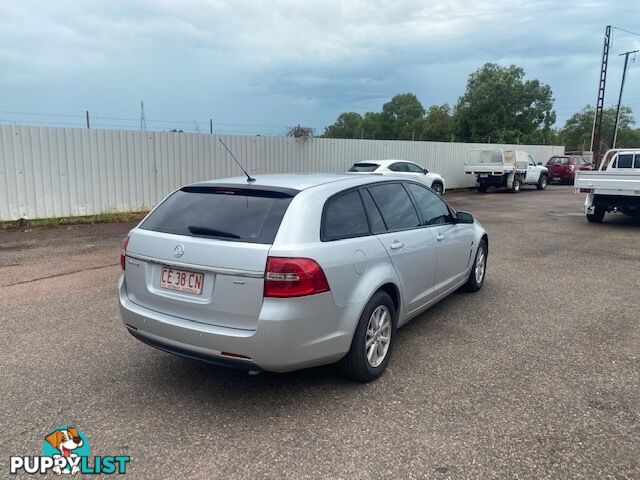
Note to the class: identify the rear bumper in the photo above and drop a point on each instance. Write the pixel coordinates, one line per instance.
(291, 333)
(625, 203)
(493, 180)
(566, 176)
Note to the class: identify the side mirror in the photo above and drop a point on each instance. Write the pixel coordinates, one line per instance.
(464, 217)
(539, 163)
(425, 171)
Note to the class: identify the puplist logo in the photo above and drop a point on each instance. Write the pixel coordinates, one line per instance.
(66, 450)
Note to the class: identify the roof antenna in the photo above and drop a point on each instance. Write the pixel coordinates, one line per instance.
(249, 177)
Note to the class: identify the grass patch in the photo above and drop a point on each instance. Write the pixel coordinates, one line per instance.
(84, 220)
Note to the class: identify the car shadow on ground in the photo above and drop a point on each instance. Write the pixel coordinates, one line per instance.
(202, 381)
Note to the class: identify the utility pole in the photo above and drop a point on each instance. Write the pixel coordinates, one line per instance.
(596, 132)
(143, 122)
(211, 125)
(88, 126)
(624, 75)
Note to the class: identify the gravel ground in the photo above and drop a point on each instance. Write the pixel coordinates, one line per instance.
(535, 376)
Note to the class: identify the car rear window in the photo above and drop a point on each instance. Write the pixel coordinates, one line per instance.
(364, 167)
(558, 161)
(625, 160)
(225, 213)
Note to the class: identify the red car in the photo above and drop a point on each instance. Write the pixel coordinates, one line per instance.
(563, 167)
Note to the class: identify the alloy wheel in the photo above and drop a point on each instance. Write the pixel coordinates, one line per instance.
(481, 262)
(378, 337)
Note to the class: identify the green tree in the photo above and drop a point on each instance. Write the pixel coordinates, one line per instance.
(402, 117)
(372, 127)
(437, 126)
(348, 125)
(576, 133)
(500, 105)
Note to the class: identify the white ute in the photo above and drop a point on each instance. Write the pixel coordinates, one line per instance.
(505, 169)
(615, 187)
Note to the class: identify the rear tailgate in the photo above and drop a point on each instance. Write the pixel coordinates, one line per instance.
(201, 255)
(608, 182)
(557, 170)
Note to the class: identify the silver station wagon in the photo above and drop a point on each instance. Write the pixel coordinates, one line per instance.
(293, 271)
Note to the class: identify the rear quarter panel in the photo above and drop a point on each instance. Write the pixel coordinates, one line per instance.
(355, 268)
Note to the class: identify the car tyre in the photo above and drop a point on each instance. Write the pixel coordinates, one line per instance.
(378, 320)
(515, 187)
(479, 269)
(597, 215)
(437, 187)
(542, 182)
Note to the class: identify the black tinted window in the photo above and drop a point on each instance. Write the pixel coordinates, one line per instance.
(395, 206)
(364, 167)
(625, 160)
(375, 219)
(224, 213)
(637, 161)
(433, 210)
(344, 217)
(399, 167)
(414, 168)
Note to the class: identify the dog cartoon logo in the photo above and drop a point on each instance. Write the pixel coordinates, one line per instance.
(66, 443)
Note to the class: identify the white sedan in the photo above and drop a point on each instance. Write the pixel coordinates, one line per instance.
(403, 168)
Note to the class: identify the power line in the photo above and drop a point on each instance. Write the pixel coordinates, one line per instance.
(626, 31)
(42, 114)
(137, 120)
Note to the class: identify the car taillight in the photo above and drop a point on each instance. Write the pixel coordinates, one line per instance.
(586, 190)
(123, 251)
(293, 277)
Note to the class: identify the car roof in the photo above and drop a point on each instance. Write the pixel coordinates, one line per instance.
(294, 181)
(386, 162)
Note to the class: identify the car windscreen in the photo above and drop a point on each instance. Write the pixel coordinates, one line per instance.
(226, 213)
(364, 167)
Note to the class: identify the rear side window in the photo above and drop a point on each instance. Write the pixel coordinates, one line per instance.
(344, 217)
(395, 206)
(233, 214)
(364, 167)
(433, 210)
(375, 219)
(637, 161)
(625, 160)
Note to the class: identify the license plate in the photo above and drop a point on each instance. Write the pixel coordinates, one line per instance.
(181, 280)
(556, 178)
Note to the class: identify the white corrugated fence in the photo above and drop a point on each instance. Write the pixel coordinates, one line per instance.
(60, 172)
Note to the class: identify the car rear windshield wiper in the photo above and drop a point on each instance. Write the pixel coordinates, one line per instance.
(196, 230)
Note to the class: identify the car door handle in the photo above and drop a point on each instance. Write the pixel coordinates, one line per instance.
(440, 237)
(396, 245)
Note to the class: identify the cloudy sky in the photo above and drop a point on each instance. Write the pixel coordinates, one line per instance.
(257, 66)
